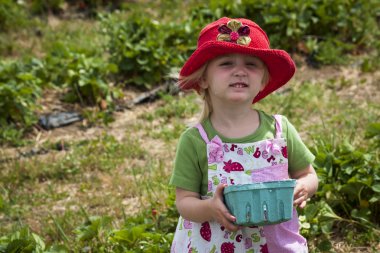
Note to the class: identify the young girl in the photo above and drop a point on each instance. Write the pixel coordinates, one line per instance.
(233, 67)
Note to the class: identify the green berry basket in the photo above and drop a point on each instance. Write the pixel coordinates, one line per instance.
(259, 204)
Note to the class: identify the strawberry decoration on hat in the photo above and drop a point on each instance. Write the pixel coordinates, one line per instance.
(234, 32)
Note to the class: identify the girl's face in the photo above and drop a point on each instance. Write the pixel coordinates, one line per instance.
(234, 78)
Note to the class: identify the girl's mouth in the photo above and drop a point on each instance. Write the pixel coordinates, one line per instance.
(239, 85)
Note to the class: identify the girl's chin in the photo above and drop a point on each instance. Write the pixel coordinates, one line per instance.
(240, 98)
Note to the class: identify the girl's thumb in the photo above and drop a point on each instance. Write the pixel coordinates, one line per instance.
(219, 190)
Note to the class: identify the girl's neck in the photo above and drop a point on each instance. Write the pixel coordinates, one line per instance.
(232, 123)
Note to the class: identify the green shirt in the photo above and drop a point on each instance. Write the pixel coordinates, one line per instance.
(191, 167)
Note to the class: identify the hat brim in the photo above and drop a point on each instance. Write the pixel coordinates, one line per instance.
(280, 65)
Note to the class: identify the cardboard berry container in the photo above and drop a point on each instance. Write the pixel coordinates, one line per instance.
(259, 204)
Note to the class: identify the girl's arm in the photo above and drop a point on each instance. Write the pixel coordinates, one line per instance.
(307, 185)
(192, 208)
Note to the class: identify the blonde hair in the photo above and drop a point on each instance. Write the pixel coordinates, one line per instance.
(198, 76)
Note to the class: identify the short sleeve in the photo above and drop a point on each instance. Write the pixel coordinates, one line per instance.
(187, 173)
(299, 156)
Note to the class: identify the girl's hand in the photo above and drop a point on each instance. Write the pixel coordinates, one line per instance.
(219, 211)
(301, 194)
(193, 208)
(307, 185)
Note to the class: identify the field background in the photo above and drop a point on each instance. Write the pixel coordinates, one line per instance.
(101, 184)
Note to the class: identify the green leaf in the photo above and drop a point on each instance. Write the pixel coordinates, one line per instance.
(376, 187)
(40, 245)
(26, 76)
(128, 236)
(372, 130)
(363, 215)
(272, 19)
(58, 249)
(327, 214)
(17, 245)
(374, 199)
(71, 73)
(311, 211)
(113, 68)
(91, 228)
(142, 61)
(121, 235)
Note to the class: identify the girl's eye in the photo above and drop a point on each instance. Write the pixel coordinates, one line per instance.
(251, 64)
(226, 63)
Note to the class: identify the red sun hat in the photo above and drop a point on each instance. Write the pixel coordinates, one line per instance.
(243, 36)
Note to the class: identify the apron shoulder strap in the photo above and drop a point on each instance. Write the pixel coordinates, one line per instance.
(202, 132)
(278, 126)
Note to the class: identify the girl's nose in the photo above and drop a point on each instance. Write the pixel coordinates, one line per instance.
(240, 70)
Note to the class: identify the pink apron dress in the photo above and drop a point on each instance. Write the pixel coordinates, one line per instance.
(237, 163)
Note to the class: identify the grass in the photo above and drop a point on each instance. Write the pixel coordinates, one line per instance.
(48, 35)
(61, 183)
(318, 109)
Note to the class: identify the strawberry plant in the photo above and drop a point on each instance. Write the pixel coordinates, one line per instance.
(348, 193)
(144, 49)
(337, 26)
(86, 80)
(93, 233)
(373, 133)
(140, 238)
(85, 77)
(348, 182)
(22, 240)
(20, 87)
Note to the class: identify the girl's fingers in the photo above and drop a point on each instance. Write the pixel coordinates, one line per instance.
(223, 209)
(230, 217)
(298, 189)
(300, 195)
(226, 218)
(300, 198)
(303, 204)
(229, 225)
(219, 190)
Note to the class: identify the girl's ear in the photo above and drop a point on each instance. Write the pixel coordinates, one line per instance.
(265, 79)
(203, 83)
